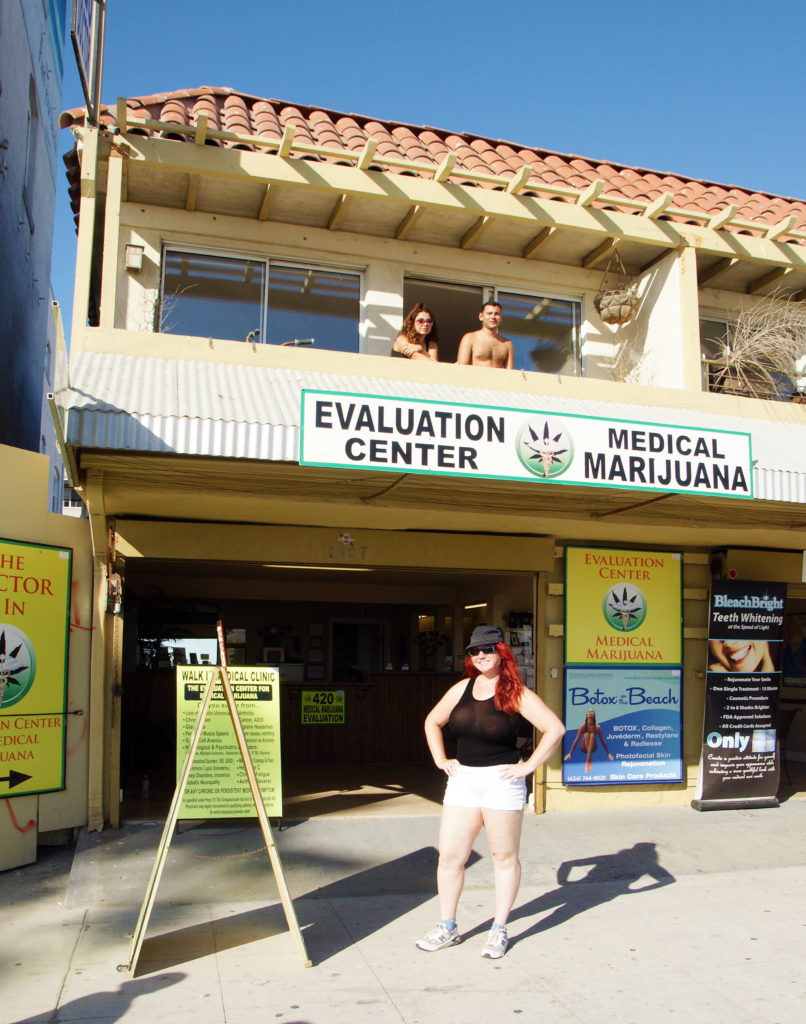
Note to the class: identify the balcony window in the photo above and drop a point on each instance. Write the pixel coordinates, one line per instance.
(209, 296)
(310, 303)
(238, 299)
(544, 332)
(723, 373)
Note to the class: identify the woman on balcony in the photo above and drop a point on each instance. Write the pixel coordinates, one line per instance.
(418, 338)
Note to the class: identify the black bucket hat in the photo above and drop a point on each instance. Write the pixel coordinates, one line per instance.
(485, 635)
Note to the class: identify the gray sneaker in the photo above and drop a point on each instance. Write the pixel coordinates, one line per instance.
(438, 938)
(497, 942)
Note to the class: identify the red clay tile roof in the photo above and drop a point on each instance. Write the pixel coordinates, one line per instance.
(231, 111)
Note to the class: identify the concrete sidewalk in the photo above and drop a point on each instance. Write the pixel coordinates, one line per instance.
(635, 916)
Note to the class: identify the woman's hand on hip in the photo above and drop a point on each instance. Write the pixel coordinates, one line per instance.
(448, 765)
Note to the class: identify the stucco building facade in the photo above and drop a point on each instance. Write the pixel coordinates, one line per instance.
(235, 253)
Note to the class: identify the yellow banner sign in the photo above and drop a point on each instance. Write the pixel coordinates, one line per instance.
(218, 786)
(623, 607)
(34, 626)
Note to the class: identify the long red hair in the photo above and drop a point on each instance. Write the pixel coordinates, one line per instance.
(509, 687)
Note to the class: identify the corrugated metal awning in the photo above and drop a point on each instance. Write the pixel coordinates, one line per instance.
(191, 407)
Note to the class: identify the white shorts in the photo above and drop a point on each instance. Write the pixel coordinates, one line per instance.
(484, 787)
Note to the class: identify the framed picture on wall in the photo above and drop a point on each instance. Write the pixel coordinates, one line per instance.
(315, 672)
(236, 655)
(794, 653)
(316, 656)
(316, 629)
(236, 635)
(315, 643)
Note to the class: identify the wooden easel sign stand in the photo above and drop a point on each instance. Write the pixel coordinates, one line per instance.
(219, 673)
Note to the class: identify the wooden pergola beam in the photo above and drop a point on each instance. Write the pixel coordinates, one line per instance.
(772, 277)
(719, 220)
(201, 129)
(519, 180)
(286, 142)
(121, 114)
(367, 154)
(337, 213)
(443, 170)
(716, 270)
(659, 205)
(539, 240)
(599, 254)
(473, 232)
(592, 192)
(194, 180)
(265, 203)
(412, 216)
(783, 227)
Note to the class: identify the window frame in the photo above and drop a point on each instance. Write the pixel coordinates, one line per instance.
(574, 300)
(267, 261)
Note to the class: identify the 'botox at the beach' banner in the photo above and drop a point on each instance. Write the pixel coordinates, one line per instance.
(374, 432)
(624, 726)
(623, 677)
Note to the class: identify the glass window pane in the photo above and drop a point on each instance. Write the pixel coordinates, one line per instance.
(309, 303)
(211, 296)
(544, 332)
(714, 339)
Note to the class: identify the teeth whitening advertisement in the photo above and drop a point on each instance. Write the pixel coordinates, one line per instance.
(739, 763)
(623, 675)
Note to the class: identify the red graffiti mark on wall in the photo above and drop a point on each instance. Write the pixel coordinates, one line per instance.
(75, 620)
(79, 740)
(20, 828)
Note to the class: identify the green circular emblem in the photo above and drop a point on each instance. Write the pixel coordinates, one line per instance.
(624, 607)
(17, 665)
(545, 451)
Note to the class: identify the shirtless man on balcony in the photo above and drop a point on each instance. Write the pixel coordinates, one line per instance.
(486, 347)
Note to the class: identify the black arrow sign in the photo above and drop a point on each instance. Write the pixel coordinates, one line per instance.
(14, 778)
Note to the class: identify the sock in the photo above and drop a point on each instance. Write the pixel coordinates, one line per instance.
(450, 925)
(501, 927)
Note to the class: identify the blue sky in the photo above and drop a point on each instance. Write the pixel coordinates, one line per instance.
(701, 88)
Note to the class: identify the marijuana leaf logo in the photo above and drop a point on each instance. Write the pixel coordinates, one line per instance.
(543, 451)
(624, 607)
(17, 665)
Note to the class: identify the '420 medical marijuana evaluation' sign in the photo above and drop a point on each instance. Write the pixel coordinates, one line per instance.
(623, 667)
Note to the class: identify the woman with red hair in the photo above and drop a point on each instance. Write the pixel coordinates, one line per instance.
(486, 712)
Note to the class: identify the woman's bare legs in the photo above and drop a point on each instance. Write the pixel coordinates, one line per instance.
(504, 838)
(457, 832)
(588, 745)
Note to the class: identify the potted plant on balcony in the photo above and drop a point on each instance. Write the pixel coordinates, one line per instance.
(617, 300)
(764, 352)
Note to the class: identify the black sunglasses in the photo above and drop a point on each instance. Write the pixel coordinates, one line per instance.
(484, 649)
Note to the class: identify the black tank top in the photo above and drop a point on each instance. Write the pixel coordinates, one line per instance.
(484, 735)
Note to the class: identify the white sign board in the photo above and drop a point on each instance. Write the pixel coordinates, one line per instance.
(374, 432)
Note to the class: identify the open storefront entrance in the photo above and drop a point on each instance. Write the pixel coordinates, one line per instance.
(389, 640)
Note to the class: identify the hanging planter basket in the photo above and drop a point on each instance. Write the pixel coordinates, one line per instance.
(617, 300)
